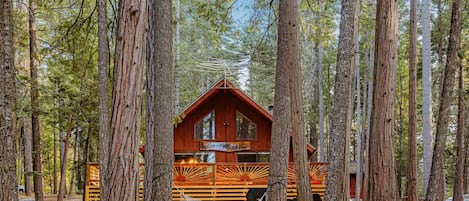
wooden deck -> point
(219, 181)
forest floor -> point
(51, 197)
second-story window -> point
(205, 128)
(245, 128)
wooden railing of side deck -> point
(217, 181)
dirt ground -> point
(51, 198)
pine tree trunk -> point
(368, 126)
(289, 24)
(281, 123)
(363, 136)
(73, 171)
(358, 107)
(382, 181)
(18, 158)
(103, 91)
(437, 176)
(28, 157)
(466, 147)
(460, 155)
(7, 104)
(339, 137)
(427, 115)
(358, 135)
(412, 139)
(37, 166)
(322, 150)
(313, 102)
(54, 188)
(440, 42)
(63, 164)
(159, 139)
(399, 127)
(123, 166)
(177, 61)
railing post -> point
(214, 173)
(87, 174)
(86, 192)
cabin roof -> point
(221, 85)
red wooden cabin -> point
(224, 125)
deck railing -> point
(215, 181)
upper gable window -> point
(245, 128)
(205, 128)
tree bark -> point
(28, 157)
(412, 139)
(382, 181)
(103, 91)
(368, 126)
(159, 138)
(37, 163)
(358, 106)
(63, 164)
(339, 137)
(73, 171)
(459, 178)
(123, 167)
(289, 24)
(322, 151)
(177, 61)
(54, 180)
(437, 175)
(281, 123)
(363, 135)
(466, 147)
(426, 92)
(8, 134)
(313, 102)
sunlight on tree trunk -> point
(288, 20)
(382, 182)
(123, 166)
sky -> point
(242, 11)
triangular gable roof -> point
(225, 84)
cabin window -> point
(253, 156)
(205, 157)
(195, 157)
(245, 128)
(205, 128)
(184, 157)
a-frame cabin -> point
(222, 149)
(224, 125)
